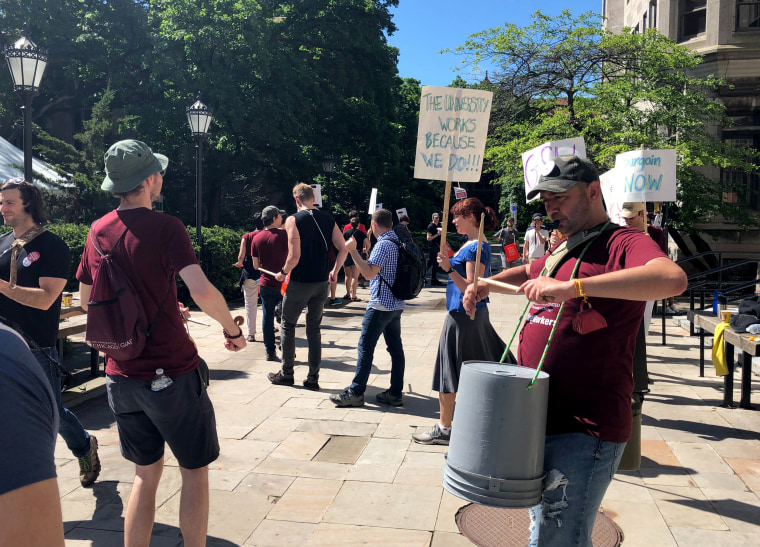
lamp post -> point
(27, 63)
(199, 118)
(328, 166)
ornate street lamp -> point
(328, 166)
(199, 118)
(27, 63)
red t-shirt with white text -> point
(590, 375)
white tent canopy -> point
(12, 162)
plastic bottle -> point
(161, 381)
(716, 295)
(754, 329)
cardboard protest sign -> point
(402, 213)
(451, 134)
(613, 196)
(460, 193)
(378, 206)
(372, 201)
(317, 195)
(534, 160)
(646, 175)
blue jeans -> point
(375, 323)
(269, 299)
(298, 296)
(579, 469)
(77, 439)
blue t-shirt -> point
(30, 417)
(467, 253)
(385, 255)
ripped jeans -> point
(579, 470)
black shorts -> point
(180, 415)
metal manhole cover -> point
(500, 527)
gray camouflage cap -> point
(563, 173)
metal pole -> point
(327, 184)
(27, 114)
(198, 193)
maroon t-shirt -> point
(658, 236)
(590, 375)
(154, 250)
(271, 248)
(248, 238)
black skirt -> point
(463, 339)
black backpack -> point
(117, 324)
(410, 267)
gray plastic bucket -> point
(496, 452)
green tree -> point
(566, 76)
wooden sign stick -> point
(445, 220)
(501, 284)
(477, 260)
(267, 272)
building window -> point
(747, 15)
(653, 15)
(644, 23)
(735, 180)
(693, 18)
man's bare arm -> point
(32, 516)
(340, 244)
(211, 301)
(241, 252)
(294, 248)
(367, 270)
(659, 278)
(40, 298)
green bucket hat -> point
(128, 163)
(563, 173)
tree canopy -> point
(288, 83)
(566, 76)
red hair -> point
(474, 207)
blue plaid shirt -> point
(385, 255)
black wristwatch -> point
(448, 272)
(282, 272)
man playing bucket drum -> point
(589, 364)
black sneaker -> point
(89, 465)
(272, 357)
(314, 386)
(278, 379)
(434, 436)
(387, 398)
(347, 398)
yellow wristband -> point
(579, 292)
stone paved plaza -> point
(295, 470)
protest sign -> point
(378, 206)
(451, 134)
(534, 160)
(460, 193)
(372, 201)
(402, 213)
(317, 195)
(613, 196)
(645, 175)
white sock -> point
(444, 430)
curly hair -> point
(31, 197)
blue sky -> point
(426, 27)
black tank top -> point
(315, 228)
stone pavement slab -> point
(295, 470)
